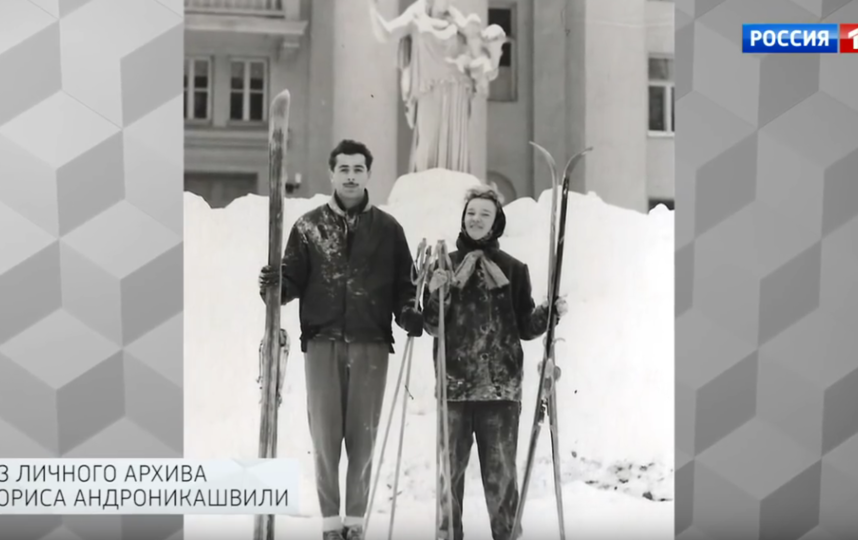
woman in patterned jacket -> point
(489, 311)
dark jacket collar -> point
(335, 205)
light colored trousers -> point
(345, 392)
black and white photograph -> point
(429, 254)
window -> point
(198, 89)
(248, 91)
(504, 87)
(661, 96)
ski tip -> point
(549, 159)
(279, 121)
(280, 104)
(545, 153)
(539, 147)
(575, 159)
(577, 156)
(283, 97)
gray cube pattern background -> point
(766, 272)
(91, 168)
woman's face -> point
(479, 218)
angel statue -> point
(446, 58)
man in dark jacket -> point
(349, 265)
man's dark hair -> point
(349, 147)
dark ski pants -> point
(345, 391)
(494, 425)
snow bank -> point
(616, 393)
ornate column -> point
(616, 101)
(557, 53)
(366, 89)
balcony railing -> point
(280, 19)
(259, 8)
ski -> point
(444, 487)
(285, 345)
(546, 398)
(552, 396)
(275, 341)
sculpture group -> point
(446, 58)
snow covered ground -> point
(615, 395)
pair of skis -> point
(419, 274)
(274, 348)
(546, 396)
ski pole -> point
(409, 343)
(443, 419)
(421, 280)
(406, 360)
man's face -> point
(350, 175)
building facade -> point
(574, 73)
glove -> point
(561, 307)
(412, 321)
(552, 375)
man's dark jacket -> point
(350, 272)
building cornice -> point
(288, 32)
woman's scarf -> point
(494, 276)
(477, 254)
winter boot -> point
(354, 533)
(333, 535)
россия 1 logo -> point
(849, 38)
(799, 38)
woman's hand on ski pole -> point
(440, 278)
(552, 374)
(561, 308)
